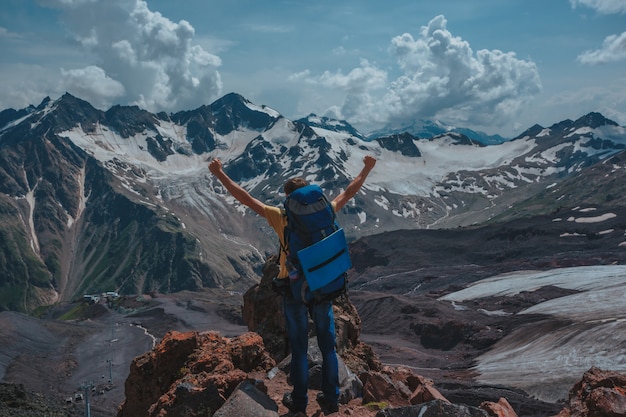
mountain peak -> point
(233, 111)
(327, 123)
(43, 104)
(69, 111)
(230, 100)
(129, 120)
(402, 142)
(534, 130)
(594, 120)
(68, 99)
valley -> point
(121, 200)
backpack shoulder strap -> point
(283, 243)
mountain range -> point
(122, 200)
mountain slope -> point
(122, 200)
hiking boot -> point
(328, 407)
(291, 406)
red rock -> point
(191, 371)
(607, 402)
(425, 393)
(600, 393)
(500, 409)
(379, 387)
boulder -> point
(398, 386)
(598, 393)
(248, 400)
(500, 409)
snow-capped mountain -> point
(122, 200)
(428, 128)
(331, 124)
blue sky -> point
(494, 65)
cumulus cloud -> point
(613, 50)
(141, 57)
(359, 85)
(91, 84)
(444, 78)
(364, 78)
(440, 77)
(614, 46)
(602, 6)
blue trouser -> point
(297, 331)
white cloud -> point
(5, 33)
(614, 46)
(613, 50)
(358, 86)
(141, 56)
(602, 6)
(91, 84)
(300, 76)
(441, 77)
(366, 77)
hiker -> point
(295, 310)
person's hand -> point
(215, 166)
(369, 162)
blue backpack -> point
(317, 250)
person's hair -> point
(293, 184)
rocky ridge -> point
(192, 372)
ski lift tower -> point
(86, 388)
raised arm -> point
(355, 185)
(215, 166)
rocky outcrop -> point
(188, 372)
(600, 393)
(191, 373)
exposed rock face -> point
(598, 393)
(191, 371)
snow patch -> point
(596, 219)
(546, 362)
